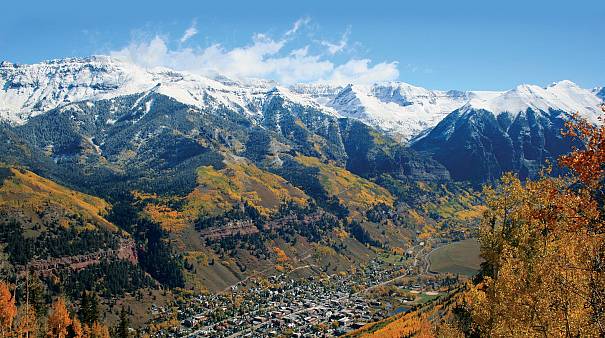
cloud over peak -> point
(336, 47)
(266, 57)
(190, 32)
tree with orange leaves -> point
(8, 310)
(98, 331)
(27, 324)
(587, 163)
(77, 331)
(58, 320)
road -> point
(261, 272)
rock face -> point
(476, 145)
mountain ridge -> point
(399, 109)
(522, 123)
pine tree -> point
(89, 308)
(83, 310)
(37, 296)
(122, 329)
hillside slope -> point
(27, 196)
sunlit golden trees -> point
(8, 310)
(543, 242)
(58, 320)
(77, 331)
(27, 323)
(22, 320)
(97, 331)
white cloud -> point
(146, 54)
(339, 46)
(264, 57)
(190, 32)
(359, 71)
(297, 25)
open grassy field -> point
(459, 257)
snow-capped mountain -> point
(564, 96)
(29, 90)
(600, 92)
(517, 130)
(405, 111)
(322, 93)
(401, 110)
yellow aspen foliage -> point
(58, 320)
(411, 324)
(27, 325)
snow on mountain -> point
(516, 130)
(29, 90)
(563, 95)
(405, 111)
(600, 92)
(295, 98)
(398, 108)
(322, 93)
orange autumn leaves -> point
(58, 321)
(8, 310)
(411, 324)
(586, 163)
(281, 255)
(22, 321)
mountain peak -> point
(563, 96)
(600, 92)
(564, 84)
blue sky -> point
(436, 44)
